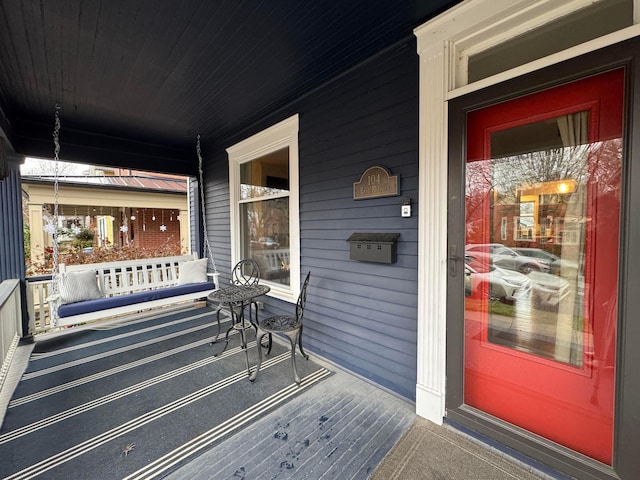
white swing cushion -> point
(194, 271)
(79, 286)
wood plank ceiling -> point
(137, 80)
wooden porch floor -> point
(342, 428)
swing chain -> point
(56, 142)
(207, 245)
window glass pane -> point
(265, 237)
(265, 176)
(592, 22)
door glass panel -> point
(541, 262)
(532, 269)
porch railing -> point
(10, 324)
(38, 289)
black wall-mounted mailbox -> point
(374, 247)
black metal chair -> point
(246, 272)
(291, 326)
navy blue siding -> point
(360, 315)
(12, 247)
(216, 174)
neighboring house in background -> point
(144, 210)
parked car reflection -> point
(557, 265)
(547, 290)
(495, 283)
(505, 257)
(265, 242)
(543, 291)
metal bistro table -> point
(237, 297)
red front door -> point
(543, 177)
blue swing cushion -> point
(98, 304)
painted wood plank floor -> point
(341, 429)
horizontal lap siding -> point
(217, 213)
(360, 315)
(11, 248)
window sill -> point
(277, 291)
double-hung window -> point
(263, 183)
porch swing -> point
(90, 292)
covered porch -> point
(281, 110)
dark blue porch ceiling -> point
(137, 80)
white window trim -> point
(276, 137)
(444, 45)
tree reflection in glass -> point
(552, 189)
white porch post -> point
(432, 231)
